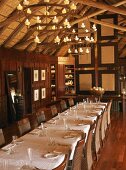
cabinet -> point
(53, 82)
(69, 79)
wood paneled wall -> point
(12, 60)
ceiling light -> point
(38, 21)
(26, 2)
(19, 7)
(94, 27)
(73, 6)
(73, 31)
(92, 39)
(76, 38)
(66, 23)
(39, 27)
(57, 39)
(87, 51)
(27, 22)
(37, 40)
(53, 27)
(55, 19)
(64, 40)
(29, 11)
(76, 51)
(69, 50)
(64, 11)
(86, 30)
(82, 25)
(87, 38)
(80, 50)
(66, 2)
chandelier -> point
(30, 11)
(77, 38)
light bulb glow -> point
(26, 2)
(20, 7)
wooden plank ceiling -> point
(15, 34)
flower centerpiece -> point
(97, 91)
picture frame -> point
(85, 81)
(108, 79)
(86, 59)
(36, 75)
(107, 33)
(43, 93)
(43, 74)
(36, 94)
(107, 54)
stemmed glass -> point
(14, 139)
(29, 151)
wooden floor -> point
(113, 155)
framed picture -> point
(36, 94)
(85, 81)
(43, 74)
(107, 54)
(36, 75)
(108, 79)
(104, 32)
(86, 59)
(43, 93)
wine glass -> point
(14, 138)
(29, 151)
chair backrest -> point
(88, 159)
(104, 125)
(40, 117)
(54, 110)
(71, 102)
(2, 139)
(24, 126)
(109, 111)
(97, 140)
(63, 105)
(63, 165)
(77, 158)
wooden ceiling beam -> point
(103, 6)
(108, 24)
(96, 13)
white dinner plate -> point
(50, 155)
(68, 136)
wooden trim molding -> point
(85, 80)
(108, 79)
(107, 33)
(107, 54)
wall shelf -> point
(69, 79)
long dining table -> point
(49, 142)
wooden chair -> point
(24, 126)
(63, 105)
(71, 102)
(87, 160)
(108, 113)
(63, 165)
(2, 139)
(96, 142)
(54, 110)
(103, 128)
(77, 158)
(40, 117)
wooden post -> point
(124, 104)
